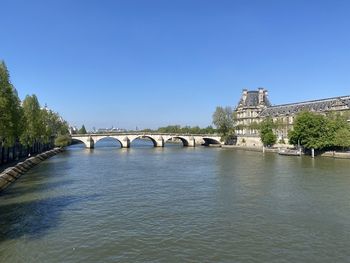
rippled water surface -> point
(177, 204)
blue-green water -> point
(177, 204)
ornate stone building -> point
(254, 106)
(249, 108)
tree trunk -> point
(1, 154)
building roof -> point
(313, 105)
(252, 99)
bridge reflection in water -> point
(158, 139)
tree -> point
(147, 130)
(267, 135)
(82, 130)
(317, 131)
(208, 130)
(342, 138)
(223, 119)
(336, 123)
(63, 140)
(195, 130)
(34, 122)
(10, 109)
(27, 123)
(54, 124)
(186, 129)
(312, 130)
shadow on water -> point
(33, 219)
(20, 190)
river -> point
(177, 204)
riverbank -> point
(338, 155)
(253, 149)
(11, 174)
(328, 154)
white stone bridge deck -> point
(158, 139)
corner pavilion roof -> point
(252, 100)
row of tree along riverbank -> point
(11, 174)
(26, 128)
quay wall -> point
(339, 155)
(328, 154)
(255, 142)
(11, 174)
(250, 148)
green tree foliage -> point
(63, 140)
(54, 124)
(82, 130)
(40, 125)
(170, 129)
(208, 130)
(267, 135)
(34, 130)
(27, 123)
(186, 129)
(308, 130)
(317, 131)
(10, 110)
(147, 130)
(223, 119)
(336, 123)
(342, 138)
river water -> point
(177, 204)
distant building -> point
(254, 106)
(107, 130)
(73, 130)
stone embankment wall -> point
(253, 149)
(245, 141)
(11, 174)
(339, 155)
(255, 142)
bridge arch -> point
(105, 137)
(78, 141)
(154, 141)
(208, 141)
(182, 139)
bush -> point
(230, 139)
(281, 141)
(63, 140)
(267, 136)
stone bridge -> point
(158, 139)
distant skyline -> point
(153, 63)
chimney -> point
(266, 94)
(244, 95)
(261, 95)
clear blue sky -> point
(152, 63)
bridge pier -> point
(90, 144)
(191, 142)
(159, 142)
(125, 142)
